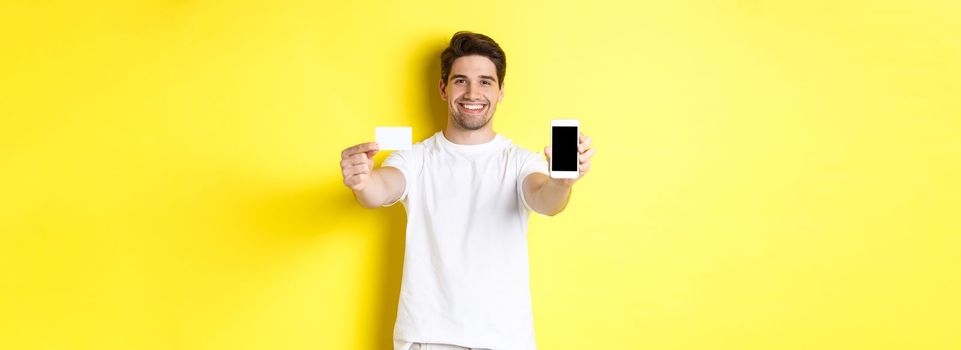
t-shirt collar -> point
(469, 148)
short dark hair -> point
(466, 43)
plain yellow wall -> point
(769, 175)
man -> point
(468, 192)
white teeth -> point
(473, 107)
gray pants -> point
(421, 346)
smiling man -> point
(468, 192)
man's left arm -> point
(549, 196)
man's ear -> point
(500, 97)
(443, 86)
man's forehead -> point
(472, 66)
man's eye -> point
(486, 82)
(459, 81)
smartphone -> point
(564, 140)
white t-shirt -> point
(466, 278)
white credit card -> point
(393, 137)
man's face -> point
(472, 91)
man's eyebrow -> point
(465, 77)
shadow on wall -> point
(433, 109)
(433, 112)
(286, 217)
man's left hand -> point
(584, 154)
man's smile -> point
(472, 108)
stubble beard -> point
(472, 123)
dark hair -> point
(466, 43)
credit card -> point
(393, 138)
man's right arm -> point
(372, 187)
(386, 186)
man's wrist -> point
(560, 182)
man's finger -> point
(359, 169)
(352, 170)
(354, 181)
(354, 160)
(584, 145)
(360, 158)
(364, 147)
(584, 157)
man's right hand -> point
(357, 163)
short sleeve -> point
(531, 163)
(403, 162)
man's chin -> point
(472, 122)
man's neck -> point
(469, 137)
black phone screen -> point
(564, 148)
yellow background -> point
(769, 175)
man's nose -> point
(469, 93)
